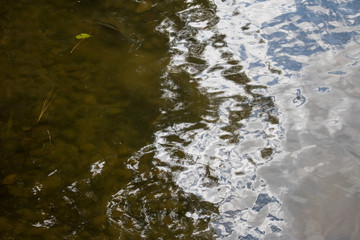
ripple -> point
(249, 67)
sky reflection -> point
(274, 147)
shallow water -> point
(180, 120)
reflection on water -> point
(261, 67)
(321, 152)
(180, 120)
(313, 175)
(216, 150)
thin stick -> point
(43, 146)
(76, 45)
(46, 104)
(49, 136)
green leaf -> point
(83, 36)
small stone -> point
(10, 179)
(100, 221)
(5, 224)
(143, 6)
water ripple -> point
(235, 82)
(239, 128)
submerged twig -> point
(46, 104)
(43, 146)
(49, 136)
(76, 45)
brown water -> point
(59, 174)
(179, 120)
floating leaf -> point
(83, 36)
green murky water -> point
(103, 105)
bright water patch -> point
(251, 62)
(224, 142)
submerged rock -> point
(110, 30)
(10, 179)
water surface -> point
(180, 120)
